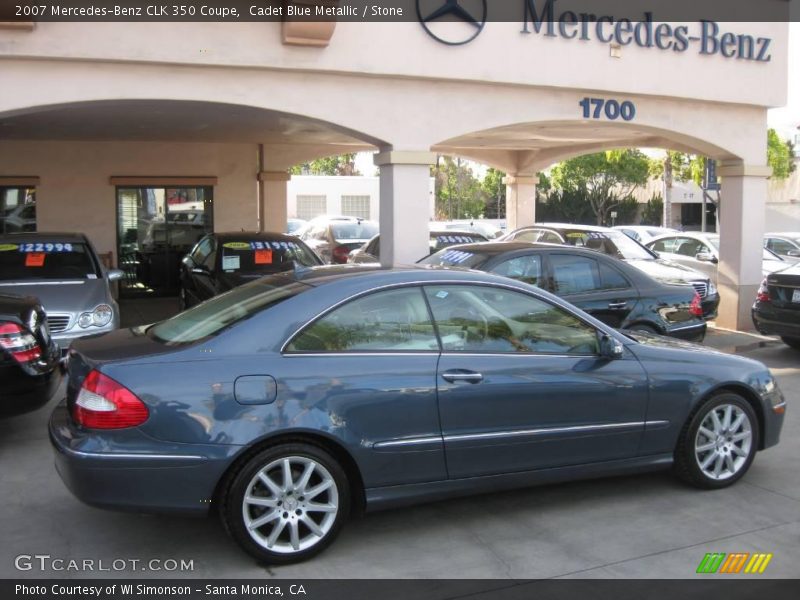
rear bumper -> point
(696, 332)
(770, 320)
(21, 393)
(129, 471)
(709, 305)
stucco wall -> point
(75, 193)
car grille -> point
(701, 287)
(58, 322)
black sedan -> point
(221, 261)
(610, 290)
(777, 307)
(289, 402)
(29, 358)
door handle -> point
(617, 304)
(468, 376)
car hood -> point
(666, 270)
(68, 296)
(773, 266)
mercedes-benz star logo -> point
(452, 12)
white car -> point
(644, 233)
(700, 251)
(785, 244)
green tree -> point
(494, 192)
(342, 164)
(780, 155)
(604, 178)
(458, 191)
(653, 210)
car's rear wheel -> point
(792, 342)
(642, 328)
(718, 442)
(287, 503)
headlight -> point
(712, 289)
(99, 317)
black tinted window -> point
(574, 274)
(264, 256)
(611, 279)
(526, 268)
(50, 260)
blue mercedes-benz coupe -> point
(292, 401)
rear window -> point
(264, 256)
(211, 317)
(354, 231)
(613, 243)
(439, 241)
(47, 260)
(455, 258)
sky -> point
(785, 120)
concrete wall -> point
(75, 193)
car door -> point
(193, 272)
(206, 284)
(593, 286)
(371, 364)
(521, 385)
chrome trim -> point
(656, 424)
(409, 442)
(685, 327)
(112, 456)
(54, 282)
(362, 353)
(539, 431)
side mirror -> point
(610, 347)
(706, 257)
(794, 253)
(115, 274)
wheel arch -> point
(331, 445)
(745, 392)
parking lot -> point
(649, 526)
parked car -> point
(64, 272)
(644, 233)
(441, 238)
(700, 251)
(221, 261)
(786, 245)
(333, 238)
(618, 245)
(487, 230)
(291, 401)
(609, 289)
(777, 307)
(292, 225)
(29, 358)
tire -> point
(305, 526)
(642, 328)
(791, 342)
(720, 453)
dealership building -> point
(193, 125)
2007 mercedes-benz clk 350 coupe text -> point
(291, 401)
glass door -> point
(156, 227)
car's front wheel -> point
(718, 443)
(792, 342)
(287, 503)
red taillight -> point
(19, 343)
(763, 292)
(696, 307)
(103, 403)
(340, 254)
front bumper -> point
(126, 470)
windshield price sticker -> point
(263, 257)
(260, 245)
(40, 247)
(35, 259)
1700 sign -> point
(597, 108)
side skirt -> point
(381, 498)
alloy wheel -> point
(723, 442)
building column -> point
(741, 231)
(272, 201)
(520, 200)
(404, 192)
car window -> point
(527, 236)
(47, 260)
(574, 274)
(388, 321)
(264, 256)
(201, 251)
(550, 237)
(484, 319)
(663, 245)
(439, 241)
(526, 268)
(686, 246)
(780, 246)
(611, 278)
(354, 231)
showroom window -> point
(17, 209)
(355, 206)
(390, 321)
(309, 207)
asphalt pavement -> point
(648, 526)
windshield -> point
(265, 257)
(443, 240)
(51, 260)
(354, 231)
(453, 257)
(211, 317)
(614, 243)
